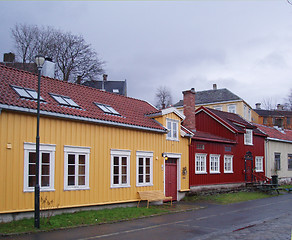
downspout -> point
(266, 157)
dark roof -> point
(232, 120)
(212, 96)
(204, 136)
(273, 113)
(132, 111)
(118, 87)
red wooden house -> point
(225, 148)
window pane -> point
(45, 158)
(140, 170)
(147, 170)
(31, 181)
(81, 180)
(116, 170)
(147, 161)
(124, 179)
(71, 159)
(174, 130)
(45, 181)
(81, 159)
(124, 170)
(147, 178)
(124, 161)
(71, 180)
(140, 161)
(116, 179)
(32, 157)
(116, 160)
(71, 170)
(45, 170)
(82, 170)
(31, 169)
(21, 92)
(140, 178)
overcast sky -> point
(245, 46)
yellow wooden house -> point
(96, 148)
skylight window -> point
(107, 109)
(67, 101)
(26, 93)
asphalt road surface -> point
(262, 219)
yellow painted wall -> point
(18, 128)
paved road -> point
(258, 220)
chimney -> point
(189, 109)
(79, 79)
(9, 57)
(258, 106)
(214, 86)
(48, 69)
(280, 107)
(104, 77)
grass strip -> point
(227, 198)
(67, 220)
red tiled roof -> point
(198, 135)
(275, 133)
(133, 111)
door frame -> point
(177, 156)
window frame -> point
(210, 161)
(64, 100)
(204, 157)
(259, 159)
(30, 94)
(144, 155)
(228, 157)
(219, 107)
(171, 132)
(44, 148)
(231, 108)
(248, 137)
(107, 109)
(76, 150)
(289, 157)
(120, 153)
(277, 162)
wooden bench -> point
(152, 196)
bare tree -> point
(269, 104)
(288, 101)
(163, 97)
(72, 55)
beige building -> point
(278, 153)
(223, 100)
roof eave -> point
(78, 118)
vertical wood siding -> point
(19, 128)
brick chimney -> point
(189, 109)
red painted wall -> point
(206, 123)
(237, 150)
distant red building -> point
(225, 148)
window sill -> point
(170, 139)
(228, 172)
(120, 186)
(201, 173)
(76, 189)
(259, 171)
(41, 190)
(145, 185)
(215, 172)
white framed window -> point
(120, 168)
(201, 163)
(76, 168)
(231, 108)
(218, 108)
(172, 126)
(259, 164)
(144, 168)
(46, 167)
(248, 137)
(228, 164)
(214, 163)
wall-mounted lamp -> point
(164, 155)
